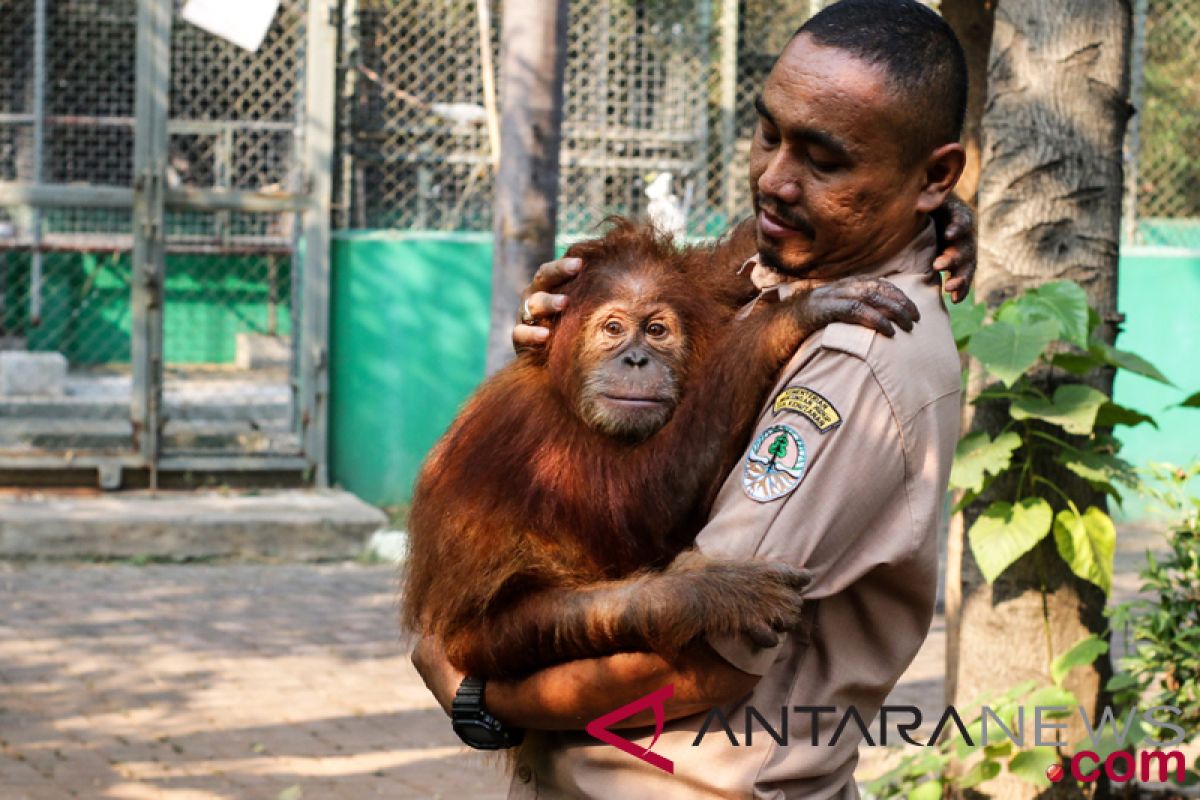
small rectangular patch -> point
(809, 404)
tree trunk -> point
(533, 56)
(972, 21)
(1049, 208)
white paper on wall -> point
(243, 22)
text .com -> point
(1121, 766)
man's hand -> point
(955, 222)
(569, 696)
(540, 303)
(440, 676)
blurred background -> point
(658, 109)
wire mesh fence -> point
(1165, 208)
(658, 108)
(231, 276)
(658, 118)
(67, 117)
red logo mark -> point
(655, 700)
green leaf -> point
(983, 771)
(1052, 696)
(1111, 414)
(998, 750)
(1123, 359)
(1007, 350)
(1031, 765)
(1004, 532)
(1073, 408)
(1012, 311)
(1120, 682)
(1193, 401)
(1022, 688)
(1067, 304)
(1076, 363)
(966, 319)
(1087, 542)
(978, 455)
(1098, 467)
(929, 790)
(1082, 653)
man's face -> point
(834, 188)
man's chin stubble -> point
(770, 259)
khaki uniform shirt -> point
(877, 420)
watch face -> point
(479, 733)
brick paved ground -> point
(216, 681)
(277, 682)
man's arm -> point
(569, 696)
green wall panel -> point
(85, 305)
(1159, 293)
(409, 328)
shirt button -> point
(524, 773)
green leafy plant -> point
(1046, 329)
(1164, 628)
(925, 775)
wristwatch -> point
(474, 725)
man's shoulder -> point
(913, 368)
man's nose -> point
(636, 358)
(778, 180)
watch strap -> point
(467, 707)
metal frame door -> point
(150, 198)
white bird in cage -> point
(463, 115)
(665, 208)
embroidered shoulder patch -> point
(774, 464)
(807, 403)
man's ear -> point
(943, 168)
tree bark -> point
(533, 56)
(1049, 208)
(972, 21)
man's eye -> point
(656, 329)
(769, 135)
(822, 164)
(613, 328)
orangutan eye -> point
(656, 329)
(613, 328)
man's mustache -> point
(786, 216)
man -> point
(857, 144)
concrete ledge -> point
(26, 373)
(259, 351)
(285, 525)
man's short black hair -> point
(917, 49)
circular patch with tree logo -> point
(775, 464)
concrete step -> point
(252, 408)
(295, 525)
(243, 436)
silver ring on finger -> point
(526, 314)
